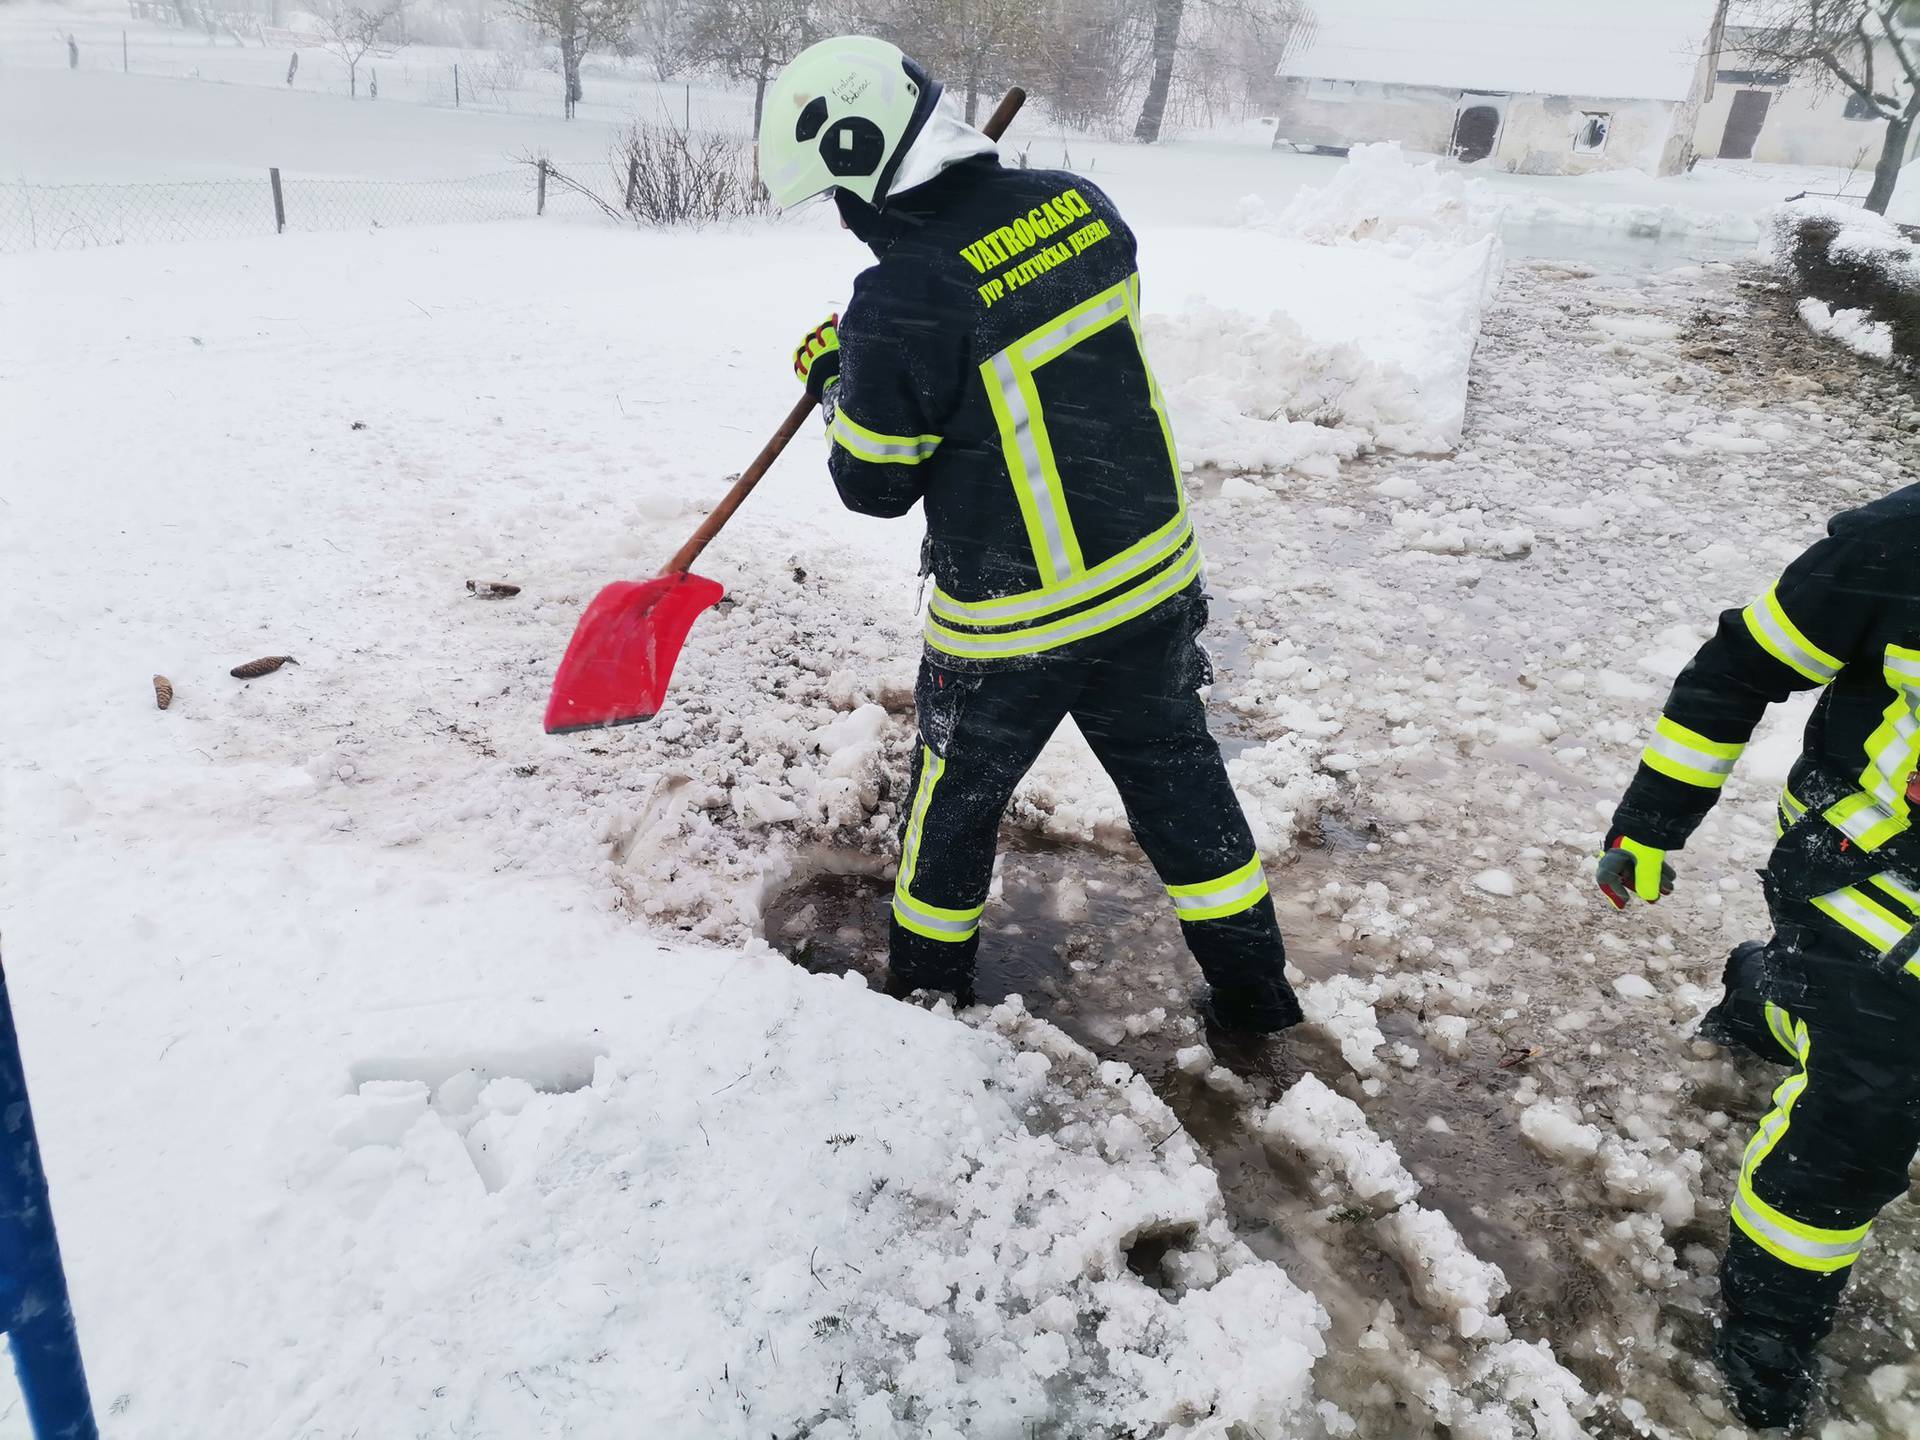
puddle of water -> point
(1101, 968)
(1612, 249)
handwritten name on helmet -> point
(998, 246)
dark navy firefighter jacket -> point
(992, 367)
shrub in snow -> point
(1860, 267)
(1856, 329)
(669, 175)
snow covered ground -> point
(408, 1117)
(403, 1070)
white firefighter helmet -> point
(841, 116)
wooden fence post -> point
(540, 201)
(279, 202)
(633, 179)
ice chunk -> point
(1332, 1133)
(1553, 1130)
(1634, 987)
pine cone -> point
(491, 589)
(162, 691)
(265, 665)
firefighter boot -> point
(1738, 1022)
(1247, 1013)
(1770, 1375)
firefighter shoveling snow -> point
(456, 1085)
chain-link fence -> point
(73, 217)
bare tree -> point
(973, 46)
(1167, 15)
(578, 27)
(1869, 48)
(350, 31)
(1258, 25)
(663, 31)
(751, 39)
(1091, 61)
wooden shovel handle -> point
(684, 557)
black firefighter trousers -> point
(1132, 693)
(1844, 1127)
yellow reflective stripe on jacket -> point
(1865, 821)
(877, 448)
(1034, 604)
(1129, 604)
(1237, 890)
(1153, 384)
(1881, 810)
(1023, 429)
(1024, 440)
(1896, 886)
(1776, 634)
(933, 921)
(1790, 1241)
(1688, 756)
(1865, 917)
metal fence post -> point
(686, 122)
(456, 86)
(540, 200)
(34, 1306)
(279, 202)
(124, 66)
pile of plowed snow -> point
(1345, 322)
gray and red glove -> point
(1628, 868)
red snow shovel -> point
(621, 657)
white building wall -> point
(1356, 112)
(1805, 125)
(1536, 138)
(1540, 132)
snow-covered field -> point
(405, 1071)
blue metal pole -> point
(34, 1309)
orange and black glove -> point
(1628, 868)
(817, 362)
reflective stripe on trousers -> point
(1239, 889)
(1790, 1241)
(933, 921)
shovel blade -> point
(622, 654)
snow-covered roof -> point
(1608, 49)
